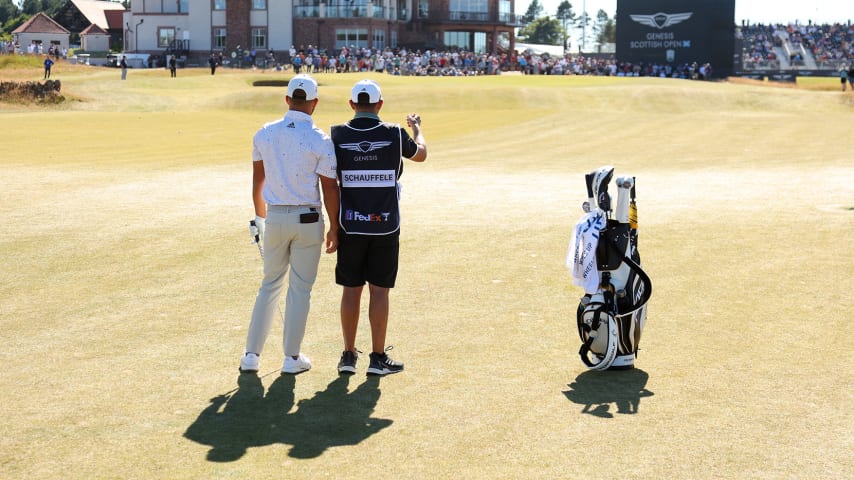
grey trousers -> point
(288, 244)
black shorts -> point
(367, 258)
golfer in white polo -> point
(290, 157)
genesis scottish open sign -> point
(677, 32)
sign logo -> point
(356, 216)
(661, 20)
(364, 147)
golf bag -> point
(604, 260)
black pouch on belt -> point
(312, 217)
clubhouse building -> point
(197, 28)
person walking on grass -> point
(124, 66)
(368, 152)
(289, 157)
(173, 66)
(48, 63)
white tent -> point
(538, 49)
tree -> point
(535, 11)
(52, 7)
(564, 10)
(14, 22)
(31, 7)
(49, 7)
(565, 15)
(8, 10)
(544, 30)
(605, 28)
(582, 22)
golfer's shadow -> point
(598, 390)
(251, 418)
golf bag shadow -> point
(605, 261)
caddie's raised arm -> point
(413, 120)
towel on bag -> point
(581, 256)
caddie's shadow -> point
(596, 391)
(249, 418)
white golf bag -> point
(604, 260)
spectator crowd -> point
(831, 45)
(461, 62)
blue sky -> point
(757, 11)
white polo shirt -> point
(294, 152)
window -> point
(379, 39)
(423, 8)
(219, 4)
(457, 39)
(165, 36)
(259, 38)
(472, 41)
(505, 13)
(351, 37)
(219, 38)
(311, 8)
(469, 9)
(259, 4)
(176, 6)
(348, 8)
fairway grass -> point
(128, 279)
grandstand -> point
(804, 48)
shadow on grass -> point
(598, 390)
(251, 418)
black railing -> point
(346, 10)
(307, 12)
(470, 16)
(338, 11)
(178, 47)
(458, 16)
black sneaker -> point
(382, 364)
(348, 362)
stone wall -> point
(47, 92)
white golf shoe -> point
(249, 363)
(296, 365)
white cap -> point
(366, 86)
(305, 83)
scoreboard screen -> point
(677, 32)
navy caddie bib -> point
(369, 167)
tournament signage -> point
(677, 32)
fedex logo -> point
(356, 216)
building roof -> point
(93, 30)
(95, 11)
(115, 18)
(41, 23)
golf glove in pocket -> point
(256, 229)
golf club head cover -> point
(601, 179)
